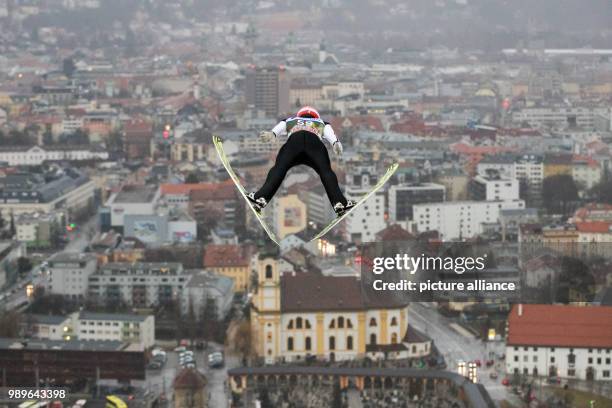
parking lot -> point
(160, 380)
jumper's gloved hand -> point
(266, 136)
(337, 147)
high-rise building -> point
(402, 198)
(267, 88)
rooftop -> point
(136, 194)
(226, 255)
(560, 326)
(83, 345)
(311, 291)
(124, 317)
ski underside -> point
(390, 170)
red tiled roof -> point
(592, 209)
(214, 191)
(601, 227)
(189, 379)
(560, 326)
(226, 256)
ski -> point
(378, 185)
(218, 142)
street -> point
(456, 345)
(16, 293)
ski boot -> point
(341, 209)
(258, 203)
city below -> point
(172, 173)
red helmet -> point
(308, 112)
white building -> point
(494, 188)
(366, 220)
(460, 219)
(204, 286)
(74, 192)
(36, 155)
(573, 342)
(127, 328)
(132, 200)
(130, 328)
(140, 284)
(560, 117)
(69, 274)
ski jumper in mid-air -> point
(304, 145)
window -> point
(552, 359)
(290, 325)
(307, 324)
(394, 338)
(349, 324)
(571, 372)
(307, 344)
(332, 343)
(394, 321)
(332, 324)
(535, 359)
(525, 358)
(349, 343)
(290, 343)
(373, 339)
(373, 322)
(516, 358)
(298, 323)
(341, 322)
(605, 373)
(268, 271)
(590, 360)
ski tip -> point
(217, 139)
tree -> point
(559, 193)
(602, 192)
(23, 265)
(115, 141)
(192, 178)
(47, 138)
(68, 67)
(9, 324)
(242, 342)
(13, 230)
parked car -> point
(216, 360)
(154, 365)
(506, 382)
(493, 375)
(180, 349)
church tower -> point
(265, 315)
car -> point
(493, 375)
(478, 363)
(154, 365)
(506, 382)
(216, 360)
(180, 349)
